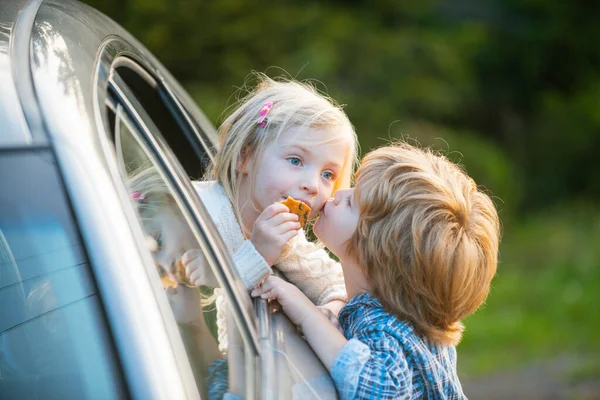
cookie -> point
(167, 282)
(299, 208)
(179, 275)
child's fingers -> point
(287, 226)
(281, 218)
(259, 291)
(267, 286)
(197, 277)
(273, 210)
(286, 236)
(190, 256)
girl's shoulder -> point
(210, 190)
(213, 197)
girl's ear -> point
(243, 164)
(130, 154)
(242, 167)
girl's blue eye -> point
(295, 161)
(159, 241)
(328, 175)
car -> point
(85, 313)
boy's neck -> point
(356, 281)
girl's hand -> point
(293, 302)
(185, 304)
(197, 269)
(273, 228)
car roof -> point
(49, 56)
(13, 126)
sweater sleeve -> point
(310, 268)
(251, 266)
(248, 262)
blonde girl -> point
(283, 139)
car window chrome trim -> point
(267, 365)
(115, 52)
(203, 228)
(195, 137)
(178, 107)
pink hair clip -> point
(139, 197)
(262, 120)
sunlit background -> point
(508, 88)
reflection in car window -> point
(174, 247)
(54, 339)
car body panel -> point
(14, 130)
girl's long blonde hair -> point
(295, 104)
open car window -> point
(178, 239)
(287, 367)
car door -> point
(169, 130)
(144, 155)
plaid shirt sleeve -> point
(372, 366)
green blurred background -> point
(508, 88)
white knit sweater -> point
(303, 263)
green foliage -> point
(545, 297)
(519, 73)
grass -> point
(545, 299)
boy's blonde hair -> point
(295, 104)
(427, 238)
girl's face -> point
(300, 164)
(170, 238)
(338, 221)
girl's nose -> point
(311, 185)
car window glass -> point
(196, 303)
(54, 338)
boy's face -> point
(338, 221)
(301, 164)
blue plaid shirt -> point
(385, 359)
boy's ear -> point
(130, 155)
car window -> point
(287, 367)
(54, 337)
(184, 137)
(196, 304)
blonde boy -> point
(418, 244)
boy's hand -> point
(273, 228)
(197, 269)
(293, 302)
